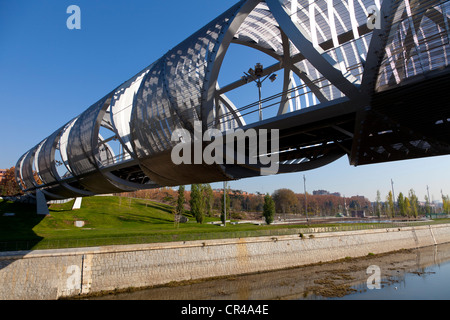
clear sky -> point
(50, 74)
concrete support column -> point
(41, 204)
(77, 203)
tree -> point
(236, 205)
(285, 200)
(445, 203)
(197, 202)
(209, 199)
(408, 207)
(414, 201)
(401, 204)
(8, 185)
(256, 202)
(390, 203)
(180, 201)
(268, 209)
(378, 204)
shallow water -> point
(431, 283)
(408, 274)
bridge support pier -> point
(41, 204)
(77, 203)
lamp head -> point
(259, 70)
(273, 77)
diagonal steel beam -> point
(315, 55)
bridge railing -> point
(115, 160)
(300, 96)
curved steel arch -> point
(342, 67)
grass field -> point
(113, 220)
(106, 217)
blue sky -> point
(50, 74)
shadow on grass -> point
(156, 206)
(143, 219)
(17, 221)
(128, 216)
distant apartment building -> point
(325, 192)
(2, 174)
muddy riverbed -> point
(345, 278)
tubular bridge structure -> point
(366, 79)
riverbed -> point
(422, 273)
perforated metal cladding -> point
(18, 171)
(329, 91)
(46, 159)
(418, 41)
(121, 109)
(328, 21)
(350, 56)
(27, 169)
(337, 27)
(261, 30)
(149, 141)
(171, 94)
(18, 174)
(63, 140)
(82, 143)
(314, 16)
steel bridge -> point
(368, 79)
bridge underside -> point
(408, 122)
(366, 79)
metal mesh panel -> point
(27, 169)
(121, 109)
(319, 26)
(46, 159)
(18, 171)
(170, 96)
(418, 41)
(80, 147)
(328, 90)
(261, 29)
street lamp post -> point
(224, 203)
(256, 75)
(393, 196)
(306, 204)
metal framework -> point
(347, 67)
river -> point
(422, 273)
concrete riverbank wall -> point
(53, 274)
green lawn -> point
(115, 220)
(108, 217)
